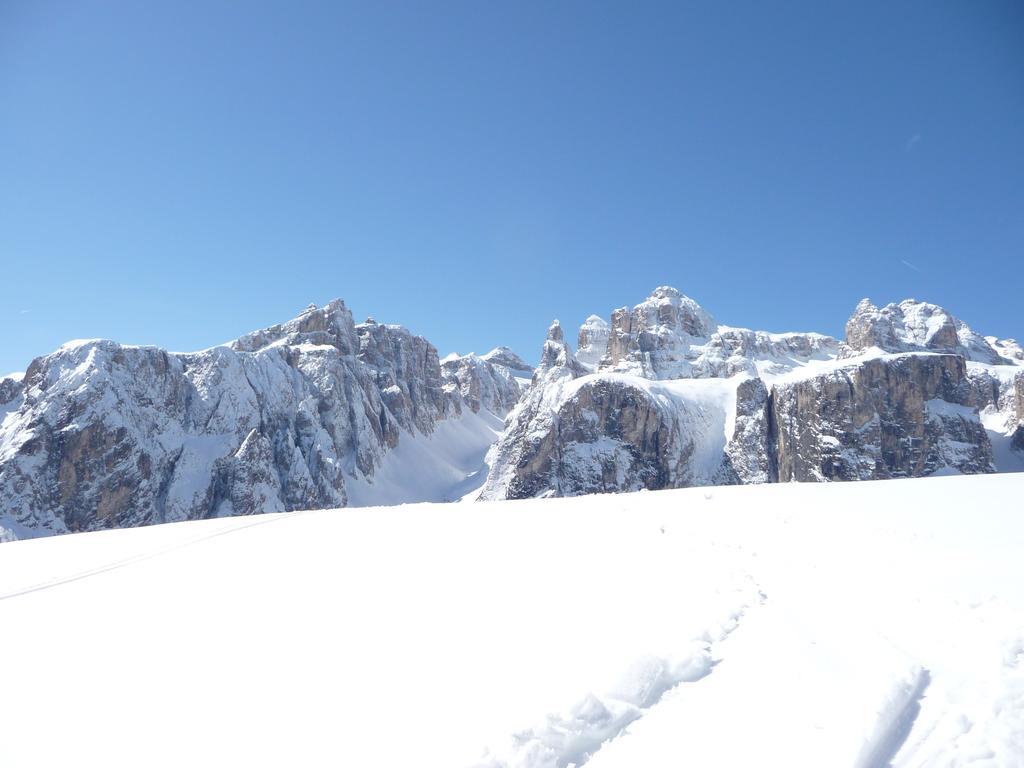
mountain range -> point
(322, 412)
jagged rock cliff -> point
(101, 435)
(10, 388)
(884, 417)
(506, 358)
(531, 428)
(677, 400)
(322, 412)
(750, 453)
(669, 336)
(491, 382)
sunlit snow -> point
(852, 624)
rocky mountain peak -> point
(669, 307)
(666, 292)
(654, 338)
(913, 325)
(294, 416)
(759, 406)
(307, 414)
(592, 342)
(486, 382)
(10, 387)
(670, 336)
(506, 358)
(330, 325)
(556, 353)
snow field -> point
(860, 624)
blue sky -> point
(180, 173)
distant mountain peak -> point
(507, 358)
(913, 325)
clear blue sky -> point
(179, 173)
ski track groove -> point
(895, 725)
(594, 720)
(132, 560)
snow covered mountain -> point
(321, 412)
(802, 625)
(306, 414)
(674, 399)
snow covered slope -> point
(851, 624)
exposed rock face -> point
(307, 414)
(331, 326)
(737, 350)
(406, 371)
(750, 453)
(912, 326)
(606, 437)
(669, 336)
(903, 416)
(102, 435)
(1009, 404)
(676, 400)
(557, 354)
(1014, 398)
(10, 388)
(592, 342)
(998, 394)
(524, 458)
(249, 480)
(506, 358)
(484, 383)
(984, 388)
(653, 338)
(576, 432)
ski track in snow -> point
(57, 581)
(895, 722)
(570, 738)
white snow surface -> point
(849, 624)
(445, 465)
